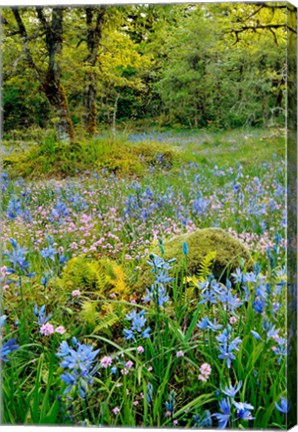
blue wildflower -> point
(232, 391)
(283, 405)
(244, 415)
(250, 277)
(185, 248)
(206, 421)
(258, 305)
(256, 335)
(170, 403)
(138, 322)
(223, 417)
(208, 295)
(149, 393)
(146, 332)
(80, 359)
(17, 257)
(238, 275)
(227, 346)
(204, 323)
(48, 252)
(14, 208)
(41, 315)
(62, 259)
(231, 302)
(128, 334)
(281, 349)
(59, 211)
(80, 362)
(7, 348)
(137, 325)
(243, 406)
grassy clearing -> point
(135, 154)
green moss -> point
(228, 250)
(58, 160)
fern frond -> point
(188, 294)
(205, 266)
(88, 313)
(106, 322)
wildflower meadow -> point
(85, 344)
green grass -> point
(45, 158)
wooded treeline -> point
(185, 65)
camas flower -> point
(41, 315)
(17, 258)
(223, 417)
(80, 362)
(7, 348)
(232, 391)
(137, 325)
(227, 346)
(283, 405)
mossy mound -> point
(229, 252)
(51, 159)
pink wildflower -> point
(47, 329)
(76, 293)
(179, 353)
(106, 361)
(116, 410)
(140, 349)
(205, 370)
(233, 320)
(203, 378)
(129, 364)
(60, 329)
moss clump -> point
(51, 159)
(228, 250)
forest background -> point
(83, 70)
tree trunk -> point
(94, 31)
(52, 86)
(115, 115)
(51, 80)
(90, 104)
(57, 99)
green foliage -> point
(104, 281)
(53, 159)
(226, 253)
(219, 66)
